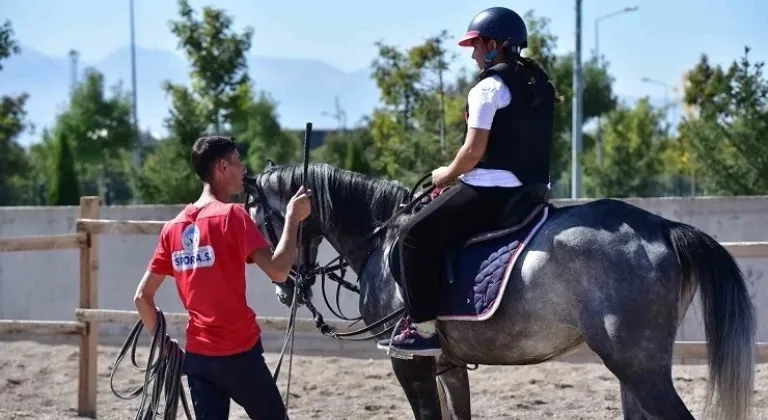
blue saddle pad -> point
(477, 274)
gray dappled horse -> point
(606, 273)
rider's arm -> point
(159, 268)
(470, 152)
(483, 101)
(276, 265)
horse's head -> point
(266, 199)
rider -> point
(508, 142)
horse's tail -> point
(729, 319)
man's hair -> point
(208, 150)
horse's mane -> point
(343, 200)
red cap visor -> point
(466, 41)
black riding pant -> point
(450, 219)
(244, 378)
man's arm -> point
(144, 299)
(277, 265)
(256, 249)
(159, 268)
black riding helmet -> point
(498, 23)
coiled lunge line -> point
(164, 366)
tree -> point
(166, 176)
(255, 124)
(411, 132)
(220, 99)
(64, 187)
(99, 130)
(13, 165)
(634, 142)
(728, 131)
(598, 98)
(217, 56)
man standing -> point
(205, 248)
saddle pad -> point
(477, 275)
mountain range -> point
(304, 89)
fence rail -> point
(88, 316)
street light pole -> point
(137, 144)
(576, 123)
(598, 60)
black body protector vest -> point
(521, 136)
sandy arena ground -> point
(38, 381)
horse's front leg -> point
(417, 376)
(453, 385)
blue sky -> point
(659, 41)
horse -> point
(605, 273)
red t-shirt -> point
(205, 250)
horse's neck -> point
(355, 243)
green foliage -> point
(166, 177)
(13, 163)
(99, 126)
(728, 132)
(64, 187)
(409, 131)
(419, 124)
(598, 97)
(217, 56)
(634, 141)
(221, 99)
(8, 44)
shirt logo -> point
(193, 255)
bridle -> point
(303, 276)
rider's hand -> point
(300, 206)
(442, 176)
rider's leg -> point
(453, 216)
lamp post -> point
(599, 139)
(659, 83)
(577, 119)
(137, 141)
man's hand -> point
(300, 206)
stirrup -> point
(394, 353)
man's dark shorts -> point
(243, 377)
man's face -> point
(230, 171)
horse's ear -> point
(270, 164)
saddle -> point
(475, 273)
(519, 211)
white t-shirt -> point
(489, 95)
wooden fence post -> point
(89, 298)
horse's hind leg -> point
(417, 376)
(653, 396)
(453, 387)
(639, 353)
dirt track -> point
(38, 381)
